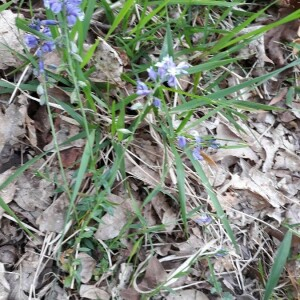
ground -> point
(149, 150)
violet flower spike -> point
(196, 154)
(203, 220)
(142, 89)
(55, 6)
(48, 46)
(31, 41)
(167, 70)
(152, 74)
(181, 140)
(214, 144)
(156, 102)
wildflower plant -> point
(43, 42)
(164, 71)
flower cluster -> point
(43, 45)
(198, 144)
(163, 71)
(167, 71)
(70, 7)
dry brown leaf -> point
(93, 292)
(58, 208)
(129, 294)
(292, 214)
(8, 193)
(70, 156)
(8, 255)
(287, 160)
(31, 131)
(65, 132)
(55, 292)
(188, 247)
(28, 267)
(154, 276)
(12, 125)
(108, 64)
(4, 285)
(145, 174)
(9, 39)
(33, 192)
(190, 294)
(88, 265)
(111, 225)
(164, 211)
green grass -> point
(111, 129)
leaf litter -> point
(257, 185)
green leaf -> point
(199, 2)
(108, 12)
(279, 263)
(181, 187)
(127, 6)
(214, 199)
(5, 6)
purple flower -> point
(49, 22)
(203, 220)
(31, 41)
(163, 67)
(142, 89)
(35, 24)
(55, 5)
(181, 141)
(71, 7)
(48, 46)
(167, 70)
(73, 13)
(198, 139)
(156, 102)
(214, 144)
(152, 74)
(41, 66)
(196, 153)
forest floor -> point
(149, 150)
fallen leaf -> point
(93, 292)
(11, 125)
(190, 294)
(164, 211)
(111, 225)
(8, 192)
(4, 285)
(9, 39)
(33, 192)
(108, 64)
(154, 276)
(53, 218)
(88, 265)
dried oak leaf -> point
(108, 64)
(93, 292)
(154, 276)
(4, 285)
(33, 192)
(112, 224)
(9, 40)
(191, 294)
(53, 218)
(12, 125)
(88, 265)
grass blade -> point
(213, 197)
(181, 187)
(279, 262)
(127, 6)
